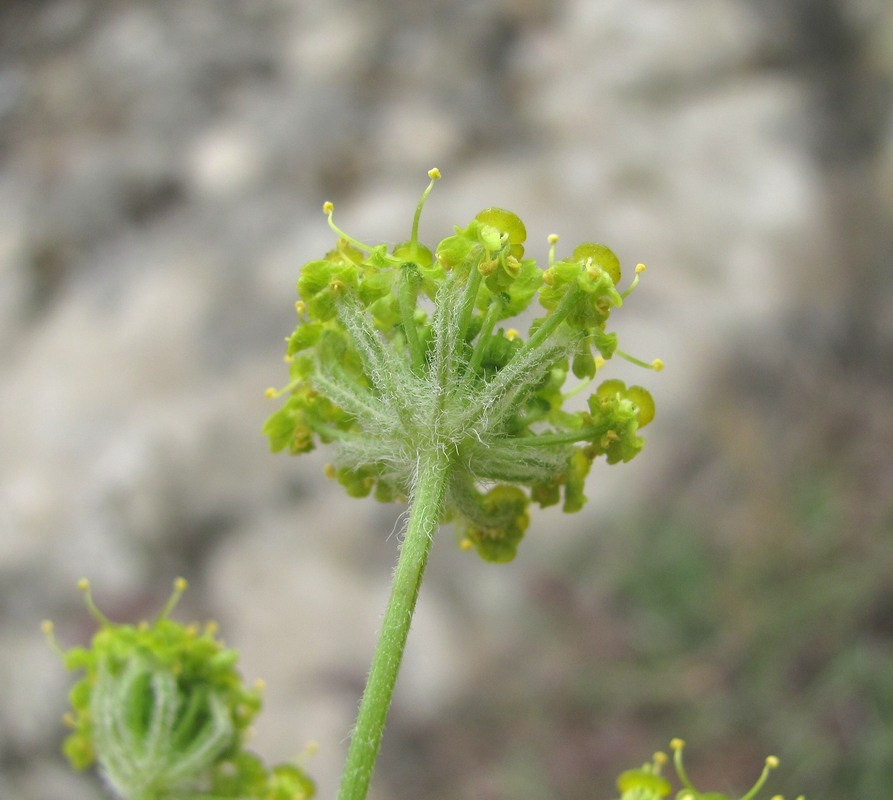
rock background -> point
(163, 167)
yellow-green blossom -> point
(398, 352)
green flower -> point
(163, 711)
(646, 782)
(398, 352)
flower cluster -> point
(404, 349)
(164, 712)
(647, 783)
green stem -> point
(409, 280)
(487, 326)
(549, 325)
(566, 437)
(427, 503)
(471, 293)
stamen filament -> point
(179, 587)
(434, 174)
(553, 240)
(771, 763)
(640, 268)
(328, 209)
(677, 746)
(657, 365)
(102, 619)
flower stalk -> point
(427, 504)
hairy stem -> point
(426, 506)
(408, 300)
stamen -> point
(49, 633)
(677, 745)
(640, 268)
(328, 208)
(84, 588)
(434, 175)
(657, 365)
(771, 763)
(553, 240)
(180, 585)
(272, 392)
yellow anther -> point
(434, 174)
(330, 471)
(599, 363)
(68, 720)
(776, 797)
(772, 762)
(83, 585)
(661, 758)
(640, 268)
(311, 748)
(511, 334)
(593, 270)
(180, 585)
(548, 277)
(553, 238)
(677, 744)
(300, 306)
(328, 207)
(260, 684)
(466, 544)
(270, 392)
(46, 627)
(487, 267)
(211, 627)
(336, 285)
(657, 365)
(512, 266)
